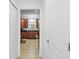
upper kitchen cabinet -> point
(24, 23)
(37, 23)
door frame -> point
(39, 44)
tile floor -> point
(29, 49)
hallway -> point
(29, 49)
(45, 20)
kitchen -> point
(30, 24)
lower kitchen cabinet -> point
(29, 35)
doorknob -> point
(47, 41)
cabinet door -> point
(37, 23)
(32, 35)
(24, 23)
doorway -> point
(29, 32)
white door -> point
(57, 14)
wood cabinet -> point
(24, 23)
(28, 35)
(37, 23)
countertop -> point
(29, 30)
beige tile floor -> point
(29, 49)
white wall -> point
(29, 4)
(14, 33)
(44, 31)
